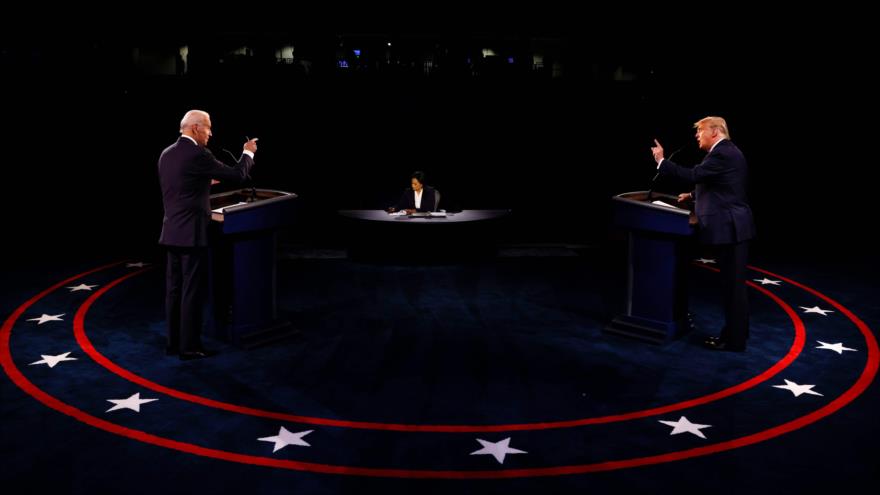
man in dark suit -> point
(417, 198)
(724, 220)
(186, 171)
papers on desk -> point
(220, 210)
(420, 214)
(661, 203)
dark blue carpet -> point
(499, 342)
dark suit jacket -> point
(722, 207)
(408, 199)
(185, 173)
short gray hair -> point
(193, 117)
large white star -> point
(796, 389)
(816, 309)
(53, 360)
(81, 287)
(685, 426)
(285, 438)
(838, 347)
(705, 260)
(767, 281)
(139, 264)
(134, 403)
(45, 318)
(498, 450)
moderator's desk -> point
(461, 217)
(377, 234)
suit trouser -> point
(185, 284)
(732, 262)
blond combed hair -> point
(716, 122)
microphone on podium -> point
(675, 152)
(230, 154)
(651, 190)
(253, 196)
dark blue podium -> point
(656, 293)
(243, 264)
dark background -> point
(88, 110)
(87, 106)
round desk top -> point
(460, 217)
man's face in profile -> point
(202, 132)
(706, 136)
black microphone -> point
(253, 188)
(651, 190)
(674, 152)
(230, 154)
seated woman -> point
(417, 198)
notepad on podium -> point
(662, 203)
(222, 208)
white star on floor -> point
(81, 287)
(285, 438)
(134, 403)
(139, 264)
(838, 347)
(53, 360)
(705, 260)
(816, 309)
(498, 450)
(767, 281)
(796, 389)
(45, 318)
(685, 426)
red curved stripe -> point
(864, 381)
(85, 343)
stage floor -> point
(405, 377)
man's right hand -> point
(657, 151)
(684, 197)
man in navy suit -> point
(724, 220)
(186, 171)
(417, 198)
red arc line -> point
(861, 384)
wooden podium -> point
(656, 294)
(243, 264)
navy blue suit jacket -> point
(185, 173)
(408, 199)
(722, 208)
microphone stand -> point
(651, 190)
(253, 196)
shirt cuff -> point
(251, 153)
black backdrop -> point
(86, 116)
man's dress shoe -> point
(720, 345)
(197, 354)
